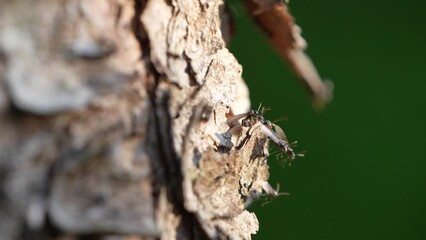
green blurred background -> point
(364, 176)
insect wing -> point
(280, 133)
(237, 117)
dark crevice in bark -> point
(145, 48)
(166, 165)
(171, 163)
(190, 71)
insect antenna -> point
(284, 160)
(301, 154)
(264, 110)
(280, 193)
(281, 119)
(260, 106)
(269, 197)
(293, 144)
(279, 154)
(261, 109)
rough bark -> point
(113, 123)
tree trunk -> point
(113, 122)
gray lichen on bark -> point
(113, 123)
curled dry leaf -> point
(278, 24)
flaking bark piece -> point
(63, 58)
(107, 192)
(223, 184)
(102, 183)
(278, 24)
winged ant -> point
(253, 119)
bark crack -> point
(167, 159)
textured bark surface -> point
(113, 123)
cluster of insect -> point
(254, 120)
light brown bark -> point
(113, 123)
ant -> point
(269, 195)
(253, 119)
(271, 192)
